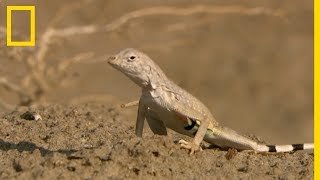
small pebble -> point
(31, 116)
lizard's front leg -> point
(141, 117)
(195, 144)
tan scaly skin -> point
(165, 105)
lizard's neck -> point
(156, 79)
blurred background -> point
(250, 62)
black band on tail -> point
(298, 147)
(272, 148)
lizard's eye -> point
(131, 58)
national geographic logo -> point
(32, 12)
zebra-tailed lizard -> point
(165, 105)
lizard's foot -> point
(190, 146)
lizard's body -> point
(165, 105)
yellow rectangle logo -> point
(32, 26)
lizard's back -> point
(172, 98)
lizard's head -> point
(134, 64)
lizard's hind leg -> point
(195, 144)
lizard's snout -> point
(111, 60)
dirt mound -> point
(95, 141)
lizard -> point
(163, 104)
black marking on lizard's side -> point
(190, 126)
(298, 147)
(272, 148)
(193, 127)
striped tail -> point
(228, 138)
(284, 148)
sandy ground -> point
(94, 141)
(250, 62)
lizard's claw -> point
(190, 146)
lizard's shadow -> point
(212, 146)
(29, 146)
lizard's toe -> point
(181, 142)
(190, 146)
